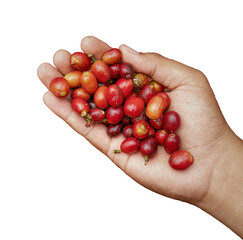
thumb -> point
(166, 71)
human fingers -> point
(91, 44)
(61, 60)
(46, 72)
(96, 134)
(168, 72)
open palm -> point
(201, 131)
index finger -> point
(91, 44)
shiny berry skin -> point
(114, 96)
(114, 114)
(158, 87)
(171, 121)
(158, 123)
(147, 93)
(142, 116)
(155, 107)
(59, 87)
(151, 132)
(140, 80)
(114, 130)
(181, 160)
(133, 94)
(100, 97)
(160, 136)
(89, 82)
(73, 78)
(112, 56)
(126, 70)
(125, 85)
(148, 147)
(126, 120)
(105, 123)
(133, 107)
(97, 115)
(80, 61)
(141, 129)
(172, 143)
(130, 145)
(101, 71)
(127, 131)
(166, 97)
(92, 104)
(81, 93)
(115, 71)
(80, 106)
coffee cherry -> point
(100, 97)
(89, 82)
(158, 123)
(155, 107)
(126, 70)
(180, 160)
(114, 130)
(166, 98)
(141, 129)
(160, 136)
(172, 143)
(80, 106)
(140, 80)
(112, 56)
(59, 87)
(126, 86)
(81, 93)
(115, 71)
(158, 87)
(73, 78)
(142, 116)
(92, 104)
(151, 132)
(147, 93)
(148, 147)
(96, 115)
(114, 96)
(127, 131)
(114, 114)
(133, 107)
(126, 120)
(101, 71)
(80, 61)
(129, 146)
(171, 121)
(133, 94)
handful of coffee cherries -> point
(109, 92)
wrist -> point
(224, 199)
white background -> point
(53, 183)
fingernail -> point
(132, 51)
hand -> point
(204, 131)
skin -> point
(214, 182)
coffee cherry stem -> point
(84, 113)
(146, 160)
(92, 57)
(88, 117)
(104, 120)
(116, 151)
(88, 122)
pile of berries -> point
(108, 91)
